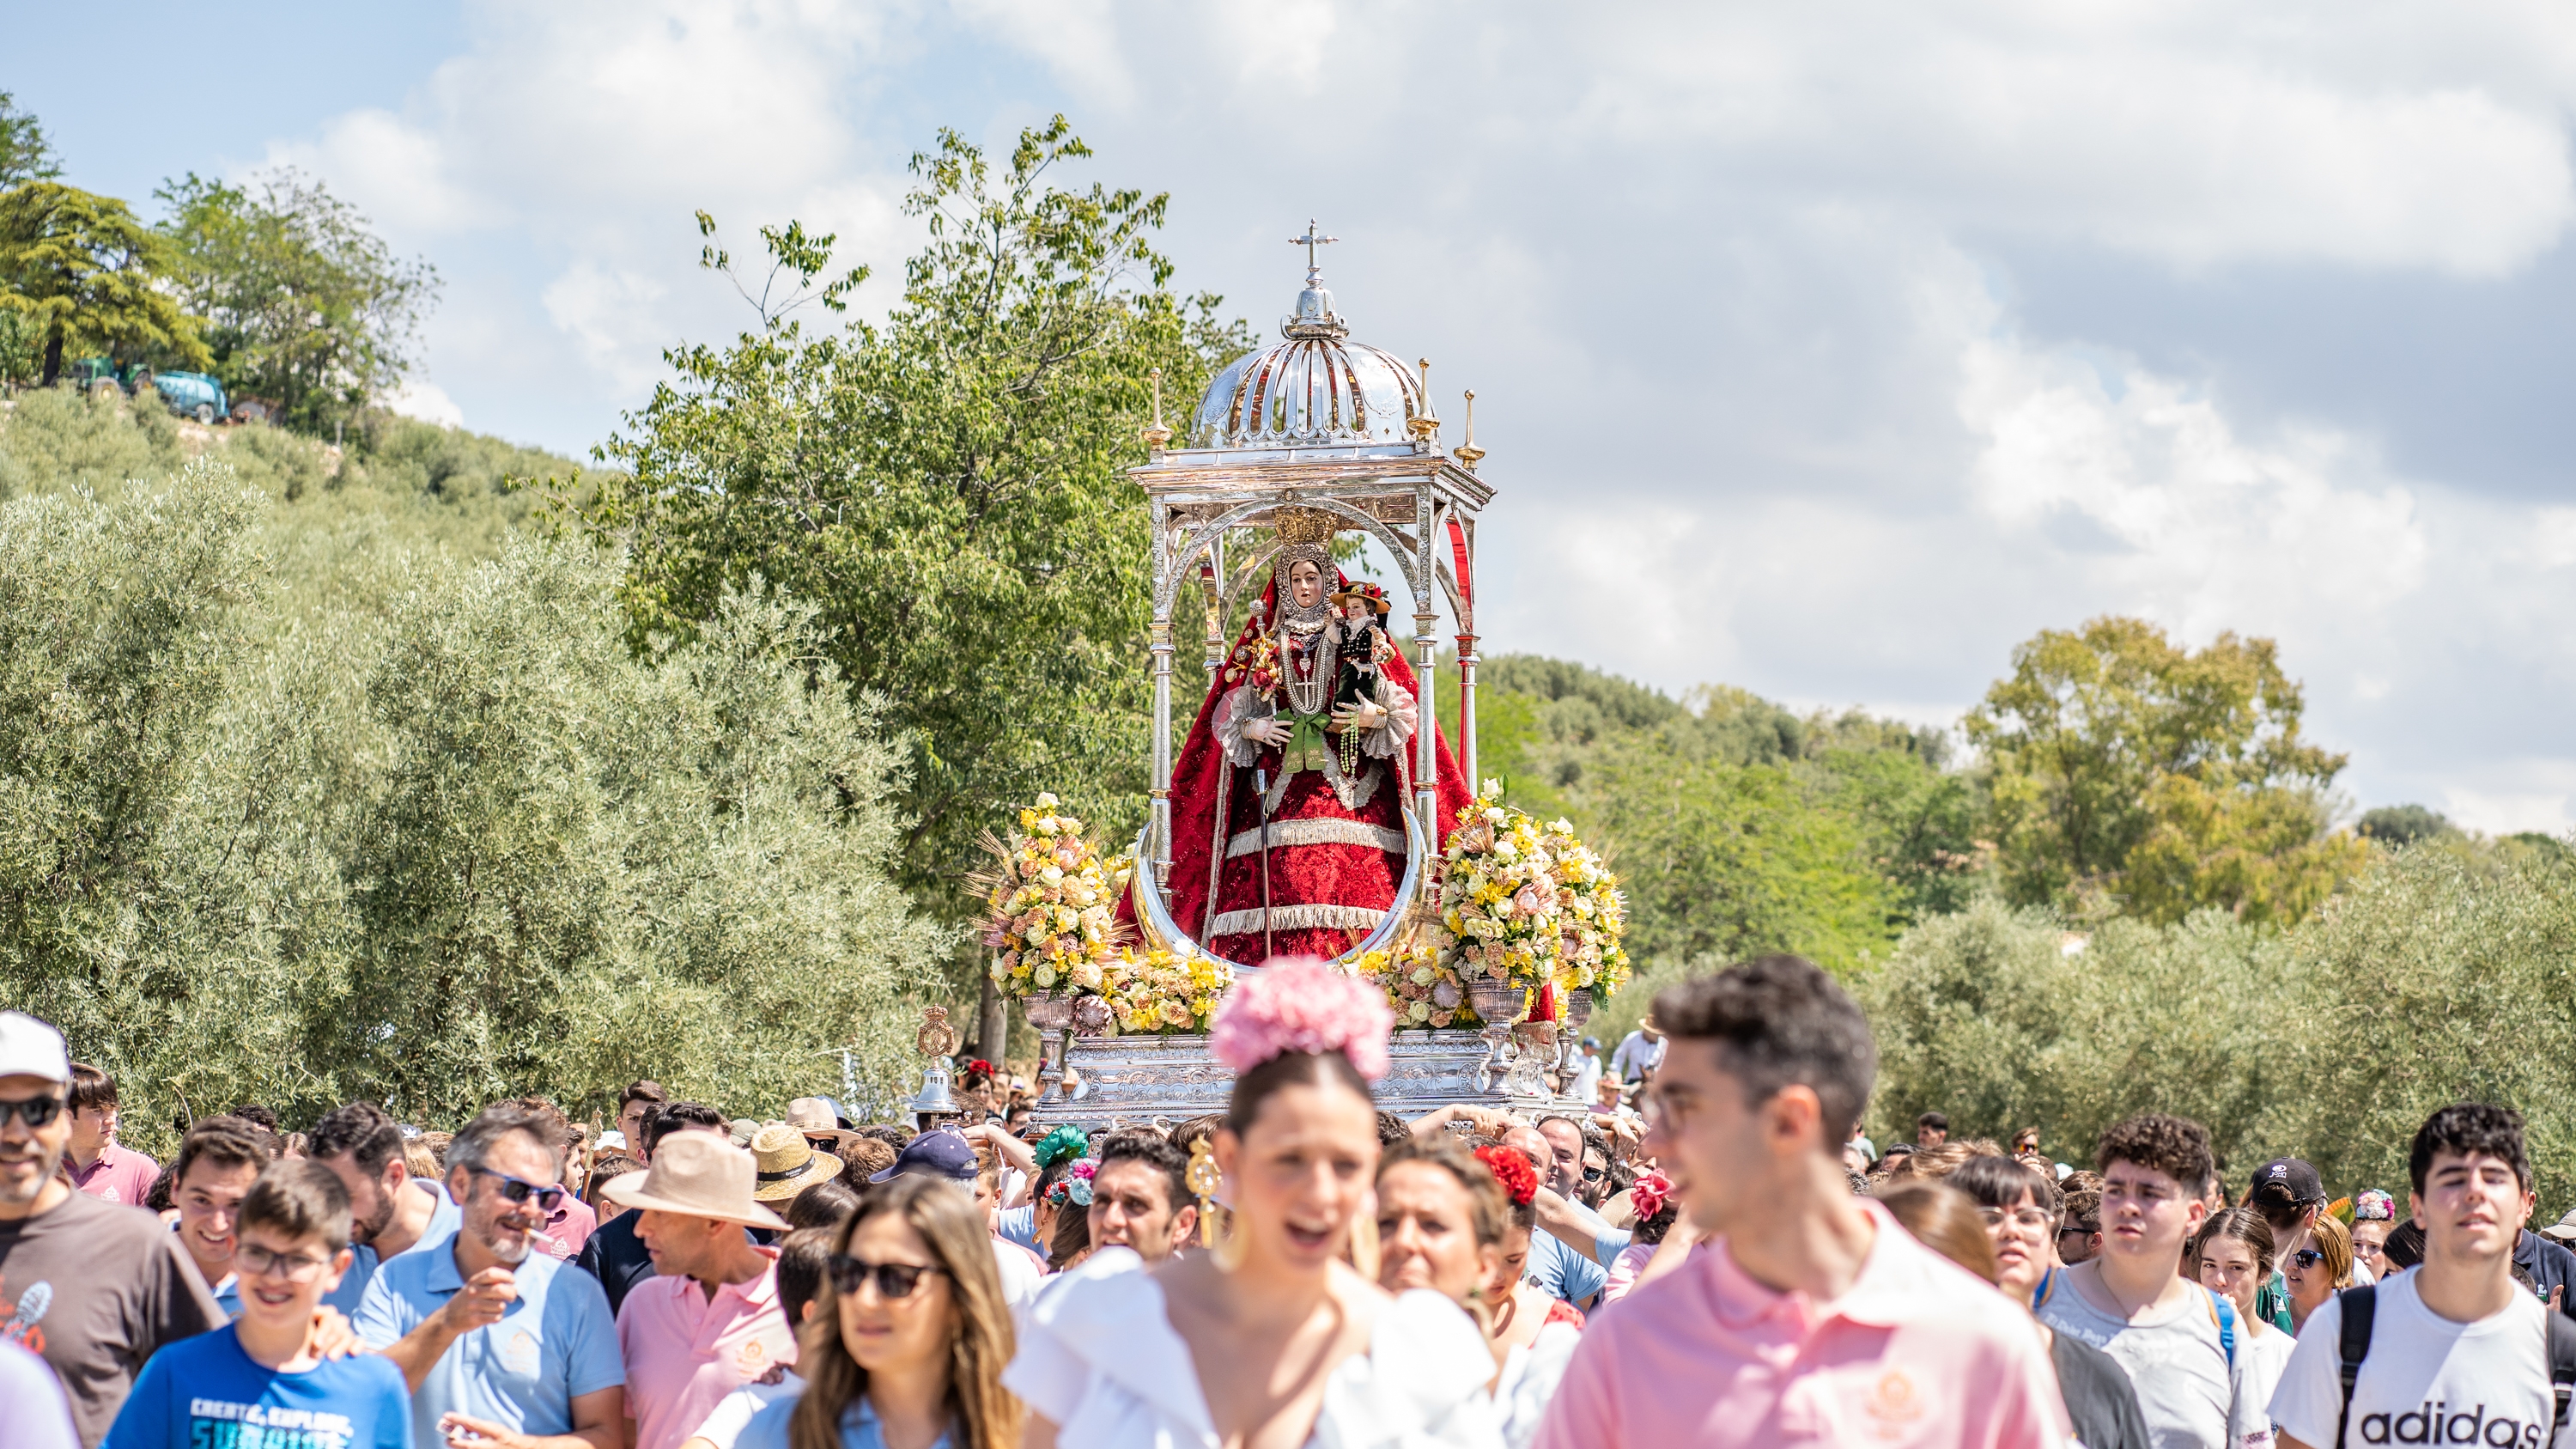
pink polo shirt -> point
(685, 1352)
(119, 1175)
(1919, 1351)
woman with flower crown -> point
(1287, 832)
(1269, 1340)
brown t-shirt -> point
(95, 1287)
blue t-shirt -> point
(1018, 1225)
(205, 1393)
(554, 1343)
(859, 1427)
(1561, 1271)
(363, 1261)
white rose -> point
(1044, 976)
(1051, 875)
(1418, 1011)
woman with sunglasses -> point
(1268, 1339)
(905, 1348)
(2319, 1270)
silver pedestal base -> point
(1134, 1079)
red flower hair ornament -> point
(1650, 1194)
(1511, 1167)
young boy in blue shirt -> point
(259, 1381)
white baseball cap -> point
(32, 1048)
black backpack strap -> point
(2562, 1361)
(2360, 1305)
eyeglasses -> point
(259, 1262)
(36, 1112)
(2032, 1218)
(894, 1280)
(516, 1190)
(2308, 1257)
(1594, 1174)
(2076, 1230)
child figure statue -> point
(1364, 608)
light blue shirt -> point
(859, 1427)
(1019, 1225)
(1560, 1271)
(363, 1261)
(556, 1342)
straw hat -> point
(788, 1163)
(817, 1117)
(698, 1175)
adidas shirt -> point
(2426, 1380)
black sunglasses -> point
(894, 1280)
(517, 1190)
(34, 1111)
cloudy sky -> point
(1826, 351)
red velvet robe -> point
(1347, 880)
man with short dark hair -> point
(1140, 1196)
(391, 1211)
(2452, 1351)
(2131, 1302)
(1807, 1312)
(613, 1253)
(636, 1106)
(218, 1161)
(501, 1345)
(1930, 1131)
(268, 1369)
(95, 1162)
(2289, 1195)
(93, 1286)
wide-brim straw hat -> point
(698, 1175)
(814, 1117)
(787, 1163)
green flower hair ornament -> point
(1060, 1144)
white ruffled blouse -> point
(1098, 1356)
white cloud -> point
(612, 316)
(427, 401)
(1731, 284)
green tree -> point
(302, 302)
(2403, 824)
(2434, 977)
(2126, 769)
(297, 807)
(948, 486)
(25, 154)
(87, 274)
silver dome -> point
(1315, 387)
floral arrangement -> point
(1158, 990)
(1650, 1194)
(1421, 988)
(1050, 902)
(1299, 1004)
(1592, 914)
(1526, 904)
(1075, 1185)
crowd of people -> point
(1709, 1251)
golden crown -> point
(1306, 525)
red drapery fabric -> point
(1336, 873)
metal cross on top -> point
(1310, 241)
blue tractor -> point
(189, 394)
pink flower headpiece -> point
(1299, 1004)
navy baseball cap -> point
(938, 1153)
(2287, 1182)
